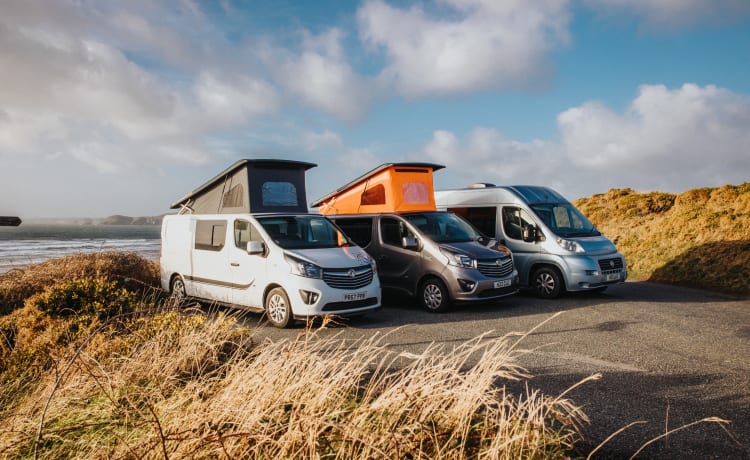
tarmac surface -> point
(668, 357)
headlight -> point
(569, 245)
(303, 268)
(459, 260)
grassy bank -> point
(700, 238)
(96, 363)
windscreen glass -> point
(564, 220)
(444, 227)
(303, 232)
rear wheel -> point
(547, 283)
(278, 308)
(433, 295)
(177, 289)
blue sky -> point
(123, 107)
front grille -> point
(348, 278)
(495, 268)
(613, 265)
(338, 306)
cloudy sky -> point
(124, 107)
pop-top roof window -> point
(279, 194)
(415, 193)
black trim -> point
(219, 283)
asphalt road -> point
(668, 356)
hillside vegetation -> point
(699, 238)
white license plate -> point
(502, 284)
(354, 296)
(613, 276)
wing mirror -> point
(255, 247)
(529, 233)
(409, 242)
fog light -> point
(308, 297)
(592, 272)
(466, 285)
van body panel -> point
(217, 267)
(594, 261)
(405, 269)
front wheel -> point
(547, 283)
(278, 308)
(177, 289)
(433, 295)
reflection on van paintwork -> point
(555, 247)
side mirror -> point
(255, 247)
(409, 242)
(529, 233)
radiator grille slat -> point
(495, 268)
(348, 278)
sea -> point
(33, 243)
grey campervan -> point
(554, 246)
(435, 256)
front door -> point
(513, 220)
(249, 271)
(398, 267)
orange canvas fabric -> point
(390, 188)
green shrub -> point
(85, 296)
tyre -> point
(278, 308)
(547, 283)
(433, 295)
(177, 289)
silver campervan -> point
(555, 248)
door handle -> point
(235, 264)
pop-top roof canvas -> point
(391, 187)
(251, 186)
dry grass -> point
(699, 238)
(176, 384)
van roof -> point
(237, 189)
(390, 187)
(531, 194)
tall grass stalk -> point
(175, 385)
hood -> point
(595, 245)
(473, 250)
(344, 257)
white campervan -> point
(554, 246)
(292, 265)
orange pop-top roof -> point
(391, 187)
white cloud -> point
(666, 140)
(486, 155)
(231, 100)
(320, 75)
(322, 140)
(488, 44)
(675, 13)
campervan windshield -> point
(565, 220)
(444, 227)
(304, 232)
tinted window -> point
(210, 235)
(392, 231)
(359, 230)
(244, 231)
(303, 232)
(514, 220)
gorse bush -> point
(124, 268)
(85, 296)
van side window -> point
(392, 231)
(244, 231)
(483, 218)
(514, 220)
(210, 235)
(359, 230)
